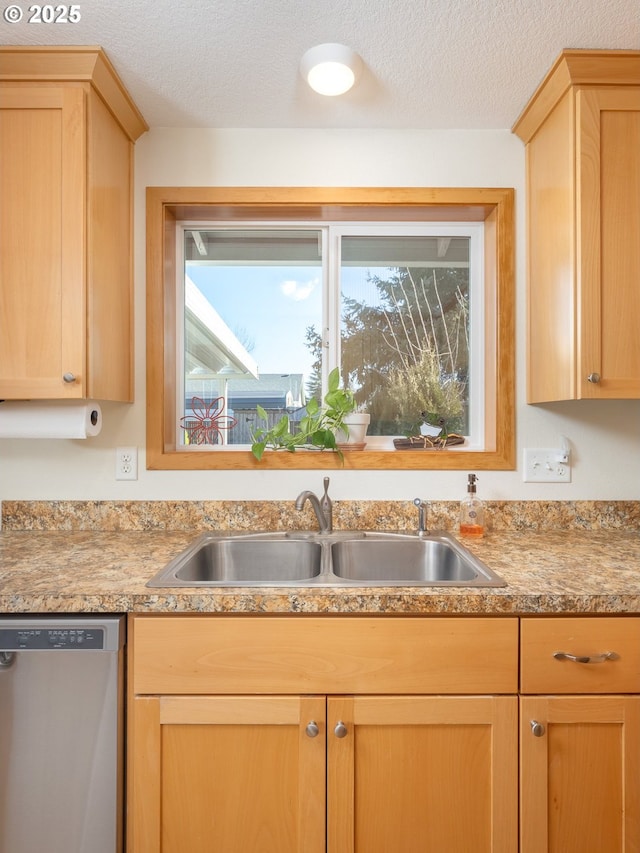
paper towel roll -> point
(36, 419)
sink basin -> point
(305, 559)
(408, 561)
(236, 561)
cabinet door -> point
(422, 774)
(232, 773)
(42, 240)
(609, 241)
(580, 774)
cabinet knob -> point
(312, 729)
(340, 729)
(594, 378)
(537, 729)
(69, 377)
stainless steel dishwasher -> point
(61, 734)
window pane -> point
(251, 299)
(405, 330)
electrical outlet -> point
(546, 465)
(126, 463)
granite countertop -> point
(547, 572)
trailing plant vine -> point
(316, 429)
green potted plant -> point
(317, 428)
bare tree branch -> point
(444, 324)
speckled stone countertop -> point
(583, 559)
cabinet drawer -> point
(408, 655)
(584, 638)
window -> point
(409, 345)
(265, 313)
(255, 295)
(249, 300)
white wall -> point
(604, 436)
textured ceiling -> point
(234, 63)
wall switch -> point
(126, 463)
(546, 465)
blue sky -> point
(269, 306)
(272, 307)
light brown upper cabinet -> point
(582, 134)
(67, 129)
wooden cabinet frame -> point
(581, 129)
(66, 256)
(357, 813)
(579, 770)
(580, 780)
(580, 734)
(209, 692)
(153, 717)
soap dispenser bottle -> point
(471, 511)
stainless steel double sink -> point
(342, 558)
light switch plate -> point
(543, 465)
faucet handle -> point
(326, 505)
(423, 507)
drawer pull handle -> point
(586, 658)
(312, 729)
(340, 729)
(537, 729)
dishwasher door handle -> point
(7, 659)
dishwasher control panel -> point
(39, 639)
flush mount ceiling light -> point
(330, 69)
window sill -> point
(456, 459)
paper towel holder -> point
(32, 419)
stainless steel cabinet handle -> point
(586, 658)
(69, 377)
(340, 729)
(537, 729)
(312, 729)
(593, 377)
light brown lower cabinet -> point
(580, 737)
(383, 734)
(580, 774)
(315, 735)
(308, 774)
(421, 773)
(229, 773)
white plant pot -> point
(357, 423)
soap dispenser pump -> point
(471, 511)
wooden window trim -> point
(167, 205)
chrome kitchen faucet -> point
(323, 508)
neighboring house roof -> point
(270, 390)
(279, 388)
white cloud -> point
(298, 290)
